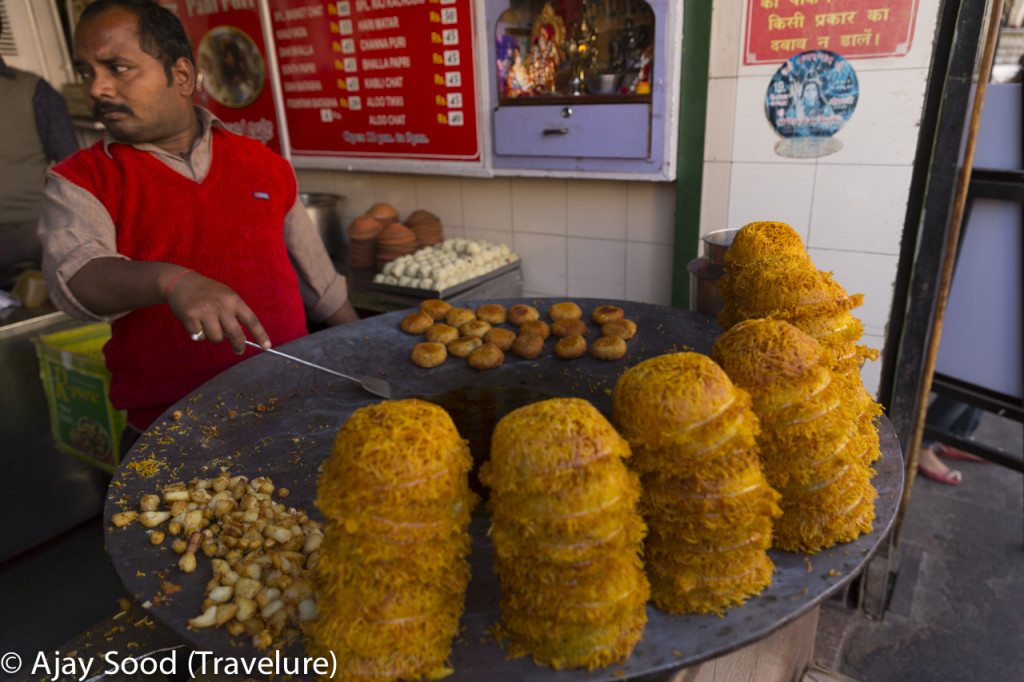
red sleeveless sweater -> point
(229, 227)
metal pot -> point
(706, 270)
(325, 211)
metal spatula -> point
(370, 384)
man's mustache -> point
(101, 108)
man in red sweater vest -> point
(172, 227)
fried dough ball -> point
(567, 310)
(416, 323)
(428, 354)
(521, 312)
(492, 313)
(608, 348)
(487, 356)
(538, 327)
(624, 329)
(442, 333)
(457, 317)
(502, 338)
(464, 345)
(604, 314)
(435, 307)
(571, 347)
(571, 326)
(475, 328)
(528, 345)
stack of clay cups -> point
(392, 573)
(810, 441)
(427, 227)
(362, 236)
(705, 499)
(566, 536)
(383, 212)
(394, 240)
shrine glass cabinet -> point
(584, 88)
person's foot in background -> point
(949, 452)
(930, 466)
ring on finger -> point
(199, 335)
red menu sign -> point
(378, 78)
(779, 29)
(231, 56)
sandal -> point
(948, 477)
(949, 452)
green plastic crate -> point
(77, 385)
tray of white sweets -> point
(447, 269)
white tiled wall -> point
(578, 238)
(848, 206)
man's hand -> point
(108, 286)
(205, 305)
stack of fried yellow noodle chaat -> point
(392, 571)
(566, 536)
(769, 274)
(705, 499)
(810, 442)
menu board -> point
(779, 29)
(378, 78)
(231, 56)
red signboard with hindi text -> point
(385, 79)
(778, 29)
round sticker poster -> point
(809, 99)
(232, 66)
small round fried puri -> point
(487, 356)
(457, 317)
(428, 354)
(603, 314)
(521, 312)
(567, 310)
(571, 347)
(608, 348)
(538, 327)
(528, 345)
(475, 328)
(570, 326)
(416, 323)
(502, 338)
(464, 345)
(492, 313)
(442, 333)
(435, 307)
(624, 329)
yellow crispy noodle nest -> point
(769, 274)
(705, 499)
(817, 433)
(566, 536)
(759, 239)
(392, 572)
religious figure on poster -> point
(518, 81)
(546, 54)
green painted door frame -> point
(693, 100)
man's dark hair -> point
(161, 35)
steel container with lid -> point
(706, 270)
(325, 211)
